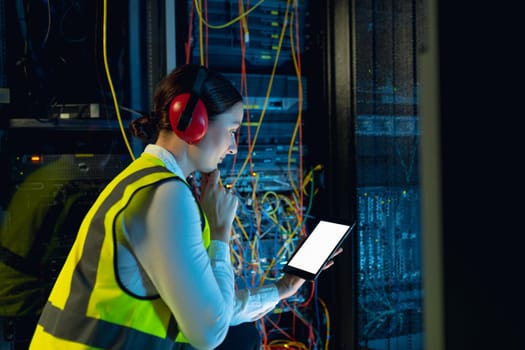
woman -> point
(150, 268)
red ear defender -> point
(189, 126)
(188, 115)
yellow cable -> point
(289, 344)
(244, 22)
(279, 253)
(227, 24)
(241, 227)
(325, 308)
(274, 210)
(110, 82)
(198, 8)
(268, 90)
(299, 112)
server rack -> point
(373, 104)
(258, 46)
(60, 142)
(390, 292)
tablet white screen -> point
(318, 246)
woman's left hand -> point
(331, 261)
(289, 284)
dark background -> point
(481, 74)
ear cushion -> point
(190, 125)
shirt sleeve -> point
(251, 304)
(196, 284)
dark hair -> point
(218, 95)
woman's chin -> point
(207, 170)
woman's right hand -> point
(219, 204)
(288, 285)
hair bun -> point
(145, 126)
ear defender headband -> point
(188, 115)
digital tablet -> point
(316, 250)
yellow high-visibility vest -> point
(87, 308)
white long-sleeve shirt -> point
(155, 257)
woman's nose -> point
(232, 148)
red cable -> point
(187, 45)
